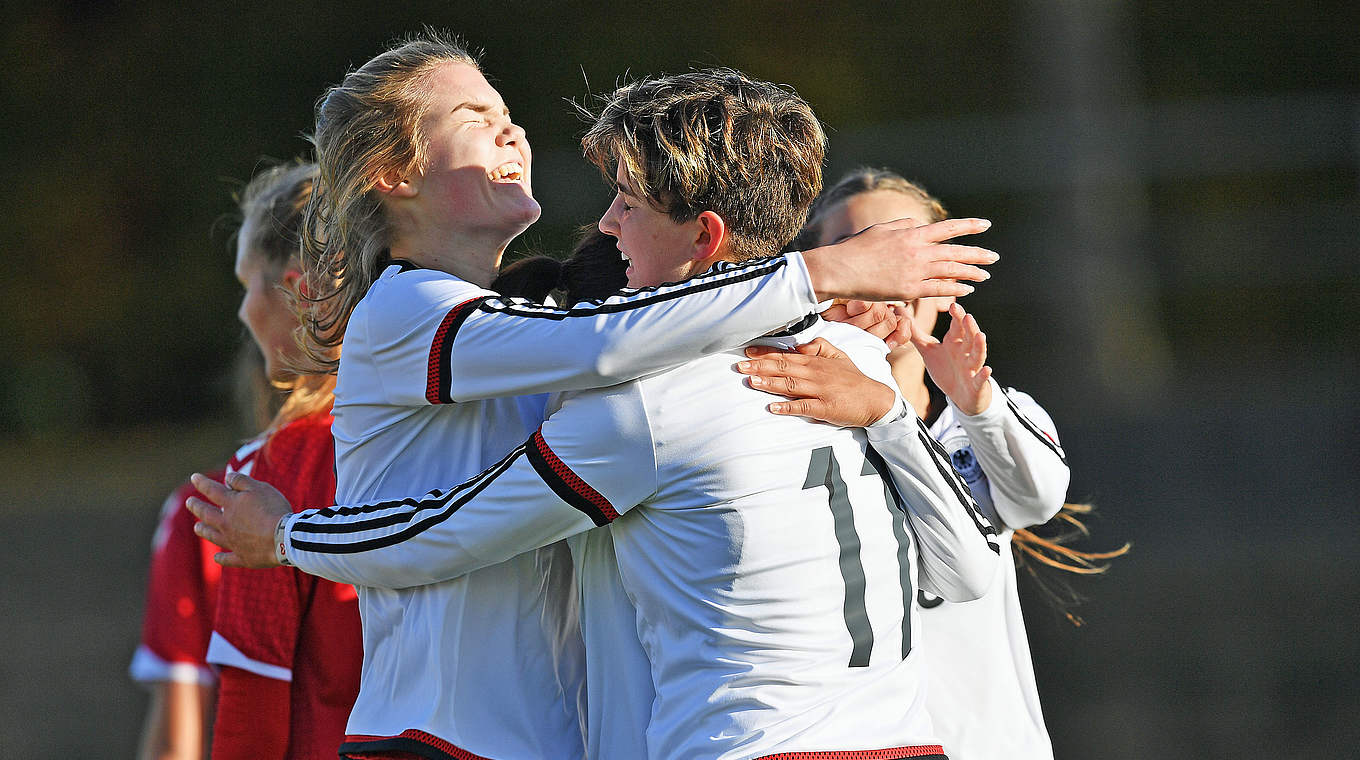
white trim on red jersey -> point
(222, 652)
(147, 668)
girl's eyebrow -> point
(479, 107)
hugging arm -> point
(588, 463)
(958, 544)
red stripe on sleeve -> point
(436, 371)
(571, 480)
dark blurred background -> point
(1174, 187)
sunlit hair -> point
(272, 212)
(715, 140)
(1053, 551)
(367, 127)
(858, 182)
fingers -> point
(205, 512)
(238, 482)
(212, 490)
(955, 334)
(978, 350)
(803, 407)
(209, 533)
(796, 375)
(941, 288)
(874, 317)
(837, 313)
(229, 559)
(820, 347)
(755, 352)
(855, 307)
(900, 336)
(921, 340)
(770, 360)
(877, 319)
(783, 385)
(952, 228)
(949, 268)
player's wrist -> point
(987, 403)
(896, 413)
(822, 275)
(281, 542)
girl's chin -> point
(528, 211)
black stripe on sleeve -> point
(965, 497)
(721, 275)
(441, 503)
(1034, 429)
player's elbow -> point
(611, 366)
(967, 578)
(1033, 502)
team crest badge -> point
(967, 464)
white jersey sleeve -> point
(590, 461)
(959, 550)
(1015, 443)
(438, 339)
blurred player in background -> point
(982, 693)
(181, 598)
(170, 660)
(287, 644)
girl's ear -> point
(397, 187)
(294, 281)
(711, 235)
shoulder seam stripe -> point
(439, 369)
(738, 273)
(568, 486)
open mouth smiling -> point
(511, 171)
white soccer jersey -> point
(488, 663)
(982, 695)
(619, 691)
(773, 577)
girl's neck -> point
(474, 260)
(910, 373)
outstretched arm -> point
(900, 261)
(958, 545)
(446, 341)
(590, 461)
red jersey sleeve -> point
(181, 598)
(259, 611)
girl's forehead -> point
(454, 83)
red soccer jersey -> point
(286, 625)
(181, 597)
